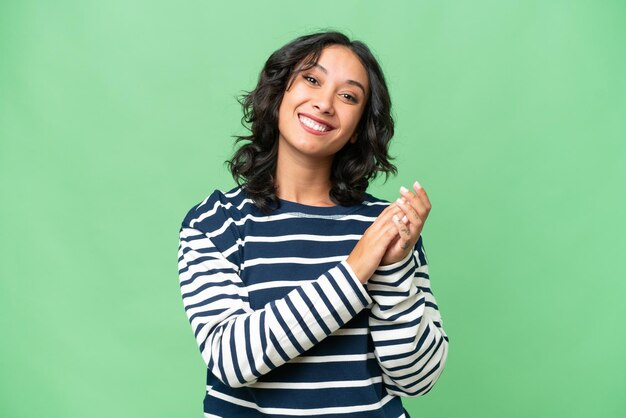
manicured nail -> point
(417, 185)
(396, 218)
(403, 189)
(401, 201)
(404, 219)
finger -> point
(416, 223)
(388, 211)
(390, 231)
(384, 223)
(403, 231)
(421, 193)
(409, 212)
(384, 217)
(418, 205)
(388, 208)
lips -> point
(314, 125)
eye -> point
(310, 79)
(349, 97)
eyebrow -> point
(352, 82)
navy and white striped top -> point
(284, 325)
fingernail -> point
(417, 185)
(396, 218)
(403, 189)
(404, 219)
(401, 200)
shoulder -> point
(373, 205)
(369, 199)
(217, 209)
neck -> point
(303, 180)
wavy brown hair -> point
(253, 165)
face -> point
(321, 109)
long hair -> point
(253, 166)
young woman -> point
(308, 296)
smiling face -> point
(321, 109)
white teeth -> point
(313, 125)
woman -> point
(308, 296)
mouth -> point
(314, 126)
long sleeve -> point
(409, 341)
(239, 344)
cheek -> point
(288, 103)
(283, 110)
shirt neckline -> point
(289, 206)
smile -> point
(315, 126)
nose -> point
(323, 101)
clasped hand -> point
(393, 235)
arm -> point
(409, 341)
(239, 344)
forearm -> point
(239, 344)
(410, 343)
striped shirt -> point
(284, 325)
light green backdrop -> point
(116, 117)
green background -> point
(116, 117)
